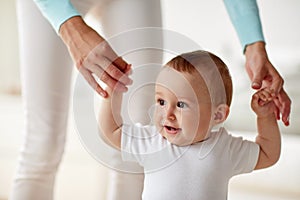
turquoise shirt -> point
(57, 11)
(243, 14)
(245, 18)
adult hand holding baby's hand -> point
(263, 103)
(93, 55)
(263, 74)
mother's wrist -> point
(256, 46)
(72, 29)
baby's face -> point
(183, 108)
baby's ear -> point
(221, 113)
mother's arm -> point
(245, 17)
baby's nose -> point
(171, 117)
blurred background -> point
(207, 23)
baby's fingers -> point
(265, 96)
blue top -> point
(243, 14)
(57, 11)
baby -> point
(183, 154)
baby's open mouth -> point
(172, 130)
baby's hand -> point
(263, 103)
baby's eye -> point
(161, 102)
(181, 104)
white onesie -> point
(196, 172)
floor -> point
(81, 177)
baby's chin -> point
(175, 141)
(180, 143)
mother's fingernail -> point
(103, 94)
(287, 123)
(255, 85)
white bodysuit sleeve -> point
(243, 155)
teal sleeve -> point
(57, 11)
(244, 15)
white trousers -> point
(46, 70)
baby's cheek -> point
(158, 118)
(191, 121)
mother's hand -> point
(93, 55)
(263, 74)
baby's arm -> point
(110, 120)
(268, 132)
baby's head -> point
(193, 93)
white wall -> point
(9, 55)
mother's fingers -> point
(106, 51)
(96, 61)
(121, 64)
(277, 110)
(108, 80)
(104, 63)
(276, 81)
(118, 75)
(285, 108)
(257, 78)
(92, 82)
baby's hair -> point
(197, 62)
